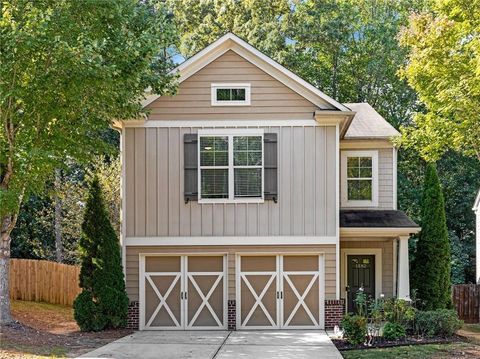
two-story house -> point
(251, 199)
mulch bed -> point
(342, 344)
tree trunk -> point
(58, 217)
(7, 226)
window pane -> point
(359, 190)
(353, 162)
(366, 162)
(254, 143)
(255, 158)
(238, 94)
(248, 182)
(352, 172)
(214, 183)
(240, 158)
(365, 172)
(213, 151)
(240, 143)
(223, 94)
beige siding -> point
(154, 188)
(270, 99)
(385, 177)
(132, 260)
(387, 260)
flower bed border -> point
(410, 340)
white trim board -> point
(377, 252)
(228, 241)
(226, 123)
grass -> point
(472, 327)
(414, 352)
(13, 350)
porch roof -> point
(363, 218)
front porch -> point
(374, 254)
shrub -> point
(354, 328)
(442, 322)
(86, 313)
(394, 331)
(398, 311)
(103, 302)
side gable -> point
(270, 98)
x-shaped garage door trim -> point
(205, 298)
(301, 298)
(163, 299)
(258, 298)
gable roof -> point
(368, 123)
(232, 42)
(476, 205)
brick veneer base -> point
(334, 310)
(232, 315)
(133, 315)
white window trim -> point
(360, 203)
(230, 133)
(231, 85)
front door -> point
(360, 274)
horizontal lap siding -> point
(387, 259)
(132, 261)
(154, 188)
(270, 99)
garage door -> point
(183, 292)
(280, 291)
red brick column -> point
(232, 315)
(133, 315)
(334, 310)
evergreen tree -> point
(431, 267)
(103, 302)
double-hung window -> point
(359, 178)
(230, 165)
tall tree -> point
(431, 268)
(443, 68)
(258, 22)
(103, 302)
(69, 68)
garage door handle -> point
(181, 295)
(281, 295)
(185, 295)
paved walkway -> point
(293, 344)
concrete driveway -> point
(220, 345)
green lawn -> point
(472, 327)
(437, 351)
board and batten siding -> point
(385, 177)
(155, 204)
(270, 99)
(132, 262)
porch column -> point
(403, 271)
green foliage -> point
(398, 311)
(394, 331)
(257, 22)
(101, 273)
(431, 269)
(354, 328)
(87, 314)
(442, 322)
(66, 75)
(442, 67)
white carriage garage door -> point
(280, 291)
(183, 292)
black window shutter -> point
(271, 167)
(190, 166)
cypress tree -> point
(431, 267)
(103, 302)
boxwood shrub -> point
(441, 322)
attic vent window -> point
(231, 94)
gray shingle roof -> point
(368, 123)
(375, 218)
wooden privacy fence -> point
(466, 299)
(43, 281)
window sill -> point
(358, 204)
(225, 200)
